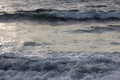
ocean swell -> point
(61, 14)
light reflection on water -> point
(36, 37)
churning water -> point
(59, 39)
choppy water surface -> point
(89, 36)
(59, 40)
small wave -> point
(61, 15)
(98, 29)
(72, 66)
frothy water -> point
(59, 39)
(59, 50)
(71, 66)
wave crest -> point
(61, 14)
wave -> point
(98, 29)
(61, 15)
(72, 66)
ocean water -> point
(59, 39)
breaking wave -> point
(55, 66)
(61, 14)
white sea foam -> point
(27, 65)
(71, 66)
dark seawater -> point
(59, 39)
